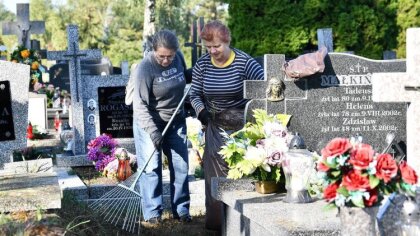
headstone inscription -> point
(7, 129)
(115, 117)
(74, 55)
(405, 87)
(336, 103)
(104, 101)
(14, 78)
(23, 28)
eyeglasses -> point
(161, 58)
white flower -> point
(274, 129)
(257, 155)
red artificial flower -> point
(322, 167)
(373, 198)
(330, 191)
(361, 156)
(336, 147)
(386, 168)
(353, 181)
(408, 174)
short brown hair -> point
(214, 29)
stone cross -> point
(74, 55)
(196, 48)
(23, 28)
(405, 87)
(325, 38)
(257, 89)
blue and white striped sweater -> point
(223, 87)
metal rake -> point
(122, 204)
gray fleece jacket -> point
(157, 92)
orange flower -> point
(35, 65)
(25, 53)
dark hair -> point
(165, 38)
(214, 29)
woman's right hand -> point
(204, 116)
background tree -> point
(408, 15)
(281, 26)
(5, 15)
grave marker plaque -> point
(7, 130)
(336, 103)
(115, 117)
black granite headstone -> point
(115, 117)
(336, 103)
(59, 76)
(7, 129)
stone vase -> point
(265, 187)
(358, 221)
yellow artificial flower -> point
(35, 65)
(25, 53)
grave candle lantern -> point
(297, 167)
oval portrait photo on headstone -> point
(91, 119)
(91, 104)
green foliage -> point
(241, 153)
(290, 27)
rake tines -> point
(121, 205)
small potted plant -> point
(257, 150)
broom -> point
(122, 204)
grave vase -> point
(358, 221)
(265, 187)
(124, 169)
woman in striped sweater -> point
(217, 98)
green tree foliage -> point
(408, 16)
(366, 27)
(5, 15)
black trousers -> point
(214, 165)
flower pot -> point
(266, 187)
(358, 221)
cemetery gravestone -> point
(59, 76)
(74, 55)
(23, 28)
(37, 111)
(336, 103)
(405, 87)
(115, 117)
(110, 113)
(14, 78)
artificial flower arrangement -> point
(356, 176)
(29, 57)
(196, 136)
(257, 150)
(104, 151)
(49, 90)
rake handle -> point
(163, 134)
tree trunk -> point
(149, 27)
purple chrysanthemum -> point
(101, 150)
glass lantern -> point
(409, 223)
(297, 167)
